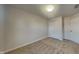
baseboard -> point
(55, 38)
(72, 41)
(2, 52)
(23, 45)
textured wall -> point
(2, 21)
(24, 28)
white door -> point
(67, 28)
(74, 29)
(55, 28)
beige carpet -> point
(49, 46)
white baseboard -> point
(19, 46)
(56, 38)
(2, 52)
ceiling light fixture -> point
(50, 8)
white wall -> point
(24, 28)
(55, 28)
(2, 21)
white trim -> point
(55, 37)
(2, 52)
(19, 46)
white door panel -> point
(75, 28)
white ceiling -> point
(38, 9)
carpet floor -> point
(49, 46)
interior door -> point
(67, 28)
(75, 28)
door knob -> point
(70, 30)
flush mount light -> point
(50, 8)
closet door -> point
(55, 28)
(75, 28)
(67, 28)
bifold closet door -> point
(55, 28)
(67, 28)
